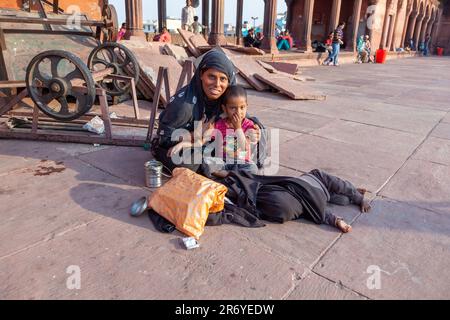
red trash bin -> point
(440, 51)
(380, 56)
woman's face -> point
(214, 83)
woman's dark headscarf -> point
(190, 104)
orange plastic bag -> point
(187, 199)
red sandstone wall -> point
(92, 8)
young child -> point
(328, 46)
(231, 135)
(196, 26)
(234, 128)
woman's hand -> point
(178, 147)
(254, 134)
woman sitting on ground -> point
(192, 111)
(284, 41)
(164, 36)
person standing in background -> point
(187, 16)
(196, 26)
(338, 36)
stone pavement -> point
(385, 127)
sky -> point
(252, 8)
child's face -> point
(235, 105)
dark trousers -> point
(336, 185)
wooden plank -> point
(247, 50)
(248, 67)
(289, 87)
(197, 40)
(2, 40)
(13, 101)
(161, 72)
(286, 67)
(63, 22)
(12, 84)
(43, 15)
(150, 64)
(71, 137)
(185, 35)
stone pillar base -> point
(269, 45)
(217, 39)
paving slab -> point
(267, 99)
(314, 287)
(396, 117)
(442, 130)
(382, 139)
(131, 167)
(300, 241)
(435, 150)
(446, 119)
(405, 245)
(334, 107)
(361, 165)
(423, 98)
(51, 197)
(421, 183)
(18, 154)
(292, 121)
(130, 260)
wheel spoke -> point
(47, 98)
(54, 61)
(64, 106)
(112, 53)
(75, 74)
(125, 63)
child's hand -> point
(236, 121)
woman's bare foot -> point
(343, 226)
(362, 190)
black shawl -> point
(276, 198)
(190, 103)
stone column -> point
(205, 16)
(239, 13)
(356, 16)
(405, 26)
(385, 31)
(411, 26)
(289, 15)
(335, 13)
(430, 24)
(417, 30)
(424, 28)
(270, 16)
(393, 36)
(305, 41)
(134, 17)
(162, 14)
(217, 37)
(391, 32)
